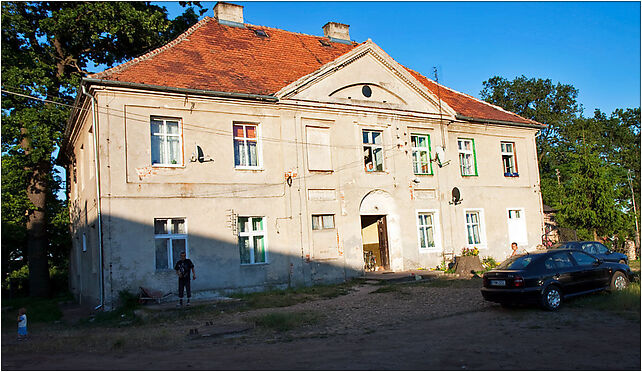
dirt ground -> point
(405, 328)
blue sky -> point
(594, 46)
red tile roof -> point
(469, 106)
(216, 57)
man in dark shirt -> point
(182, 268)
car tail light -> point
(518, 281)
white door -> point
(517, 227)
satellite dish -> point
(199, 154)
(456, 196)
(440, 157)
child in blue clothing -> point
(22, 323)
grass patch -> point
(286, 321)
(626, 301)
(452, 283)
(388, 288)
(293, 296)
(39, 310)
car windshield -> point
(516, 263)
(557, 245)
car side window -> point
(583, 259)
(588, 247)
(600, 249)
(562, 260)
(549, 264)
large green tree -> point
(46, 49)
(584, 162)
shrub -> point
(489, 263)
(470, 252)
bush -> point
(489, 263)
(470, 252)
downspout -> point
(97, 167)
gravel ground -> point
(408, 327)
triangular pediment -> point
(366, 76)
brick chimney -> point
(337, 31)
(229, 14)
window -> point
(562, 260)
(322, 221)
(508, 159)
(426, 230)
(474, 227)
(467, 161)
(421, 154)
(582, 258)
(84, 242)
(252, 240)
(516, 263)
(373, 150)
(167, 142)
(318, 145)
(246, 152)
(170, 238)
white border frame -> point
(482, 229)
(170, 260)
(436, 230)
(259, 146)
(151, 134)
(265, 241)
(523, 212)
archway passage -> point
(374, 235)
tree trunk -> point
(37, 242)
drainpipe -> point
(100, 232)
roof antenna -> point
(441, 118)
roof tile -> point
(216, 57)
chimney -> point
(337, 32)
(229, 14)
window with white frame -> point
(252, 244)
(246, 145)
(167, 141)
(467, 161)
(474, 228)
(426, 229)
(421, 153)
(373, 150)
(170, 238)
(508, 159)
(322, 221)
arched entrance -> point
(380, 231)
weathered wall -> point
(208, 194)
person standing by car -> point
(182, 267)
(516, 250)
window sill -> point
(511, 174)
(430, 250)
(478, 246)
(256, 169)
(424, 174)
(168, 165)
(254, 264)
(470, 175)
(377, 172)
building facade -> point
(275, 158)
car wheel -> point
(551, 298)
(619, 281)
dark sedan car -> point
(549, 277)
(597, 249)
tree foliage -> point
(46, 49)
(584, 162)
